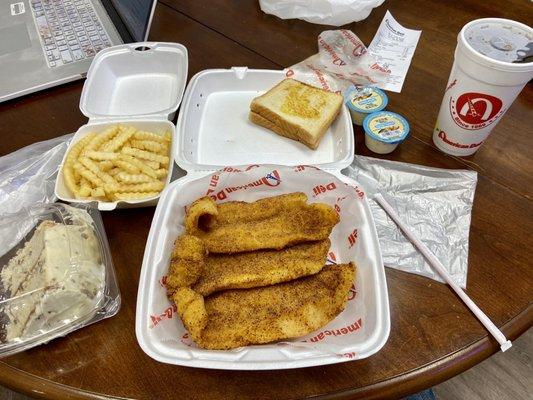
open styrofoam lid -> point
(135, 80)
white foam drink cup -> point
(483, 83)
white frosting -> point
(55, 279)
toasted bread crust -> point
(271, 120)
(265, 123)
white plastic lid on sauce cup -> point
(384, 131)
(362, 101)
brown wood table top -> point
(433, 336)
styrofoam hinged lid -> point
(213, 128)
(135, 80)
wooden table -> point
(433, 336)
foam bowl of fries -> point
(119, 164)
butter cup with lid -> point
(384, 131)
(362, 101)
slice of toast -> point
(265, 123)
(297, 111)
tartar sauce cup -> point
(362, 101)
(384, 131)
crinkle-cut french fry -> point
(143, 135)
(93, 167)
(161, 172)
(77, 147)
(106, 165)
(133, 178)
(152, 164)
(85, 188)
(127, 166)
(101, 155)
(150, 145)
(70, 181)
(139, 187)
(114, 171)
(101, 138)
(167, 136)
(98, 192)
(87, 174)
(134, 195)
(118, 141)
(141, 166)
(145, 155)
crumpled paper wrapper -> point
(342, 60)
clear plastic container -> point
(56, 274)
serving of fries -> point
(120, 163)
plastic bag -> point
(325, 12)
(27, 176)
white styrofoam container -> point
(213, 129)
(212, 132)
(136, 84)
(164, 339)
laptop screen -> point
(135, 14)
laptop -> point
(44, 43)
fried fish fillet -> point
(235, 318)
(270, 223)
(191, 266)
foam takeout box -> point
(213, 134)
(136, 84)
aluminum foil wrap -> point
(435, 203)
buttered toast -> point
(297, 111)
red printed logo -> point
(352, 238)
(352, 293)
(348, 355)
(289, 73)
(474, 111)
(331, 258)
(272, 179)
(323, 188)
(445, 139)
(168, 313)
(355, 326)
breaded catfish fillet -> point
(190, 266)
(235, 318)
(271, 223)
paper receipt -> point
(393, 47)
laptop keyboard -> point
(70, 30)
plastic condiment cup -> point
(384, 131)
(362, 101)
(484, 81)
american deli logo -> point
(334, 56)
(272, 179)
(474, 111)
(359, 48)
(336, 332)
